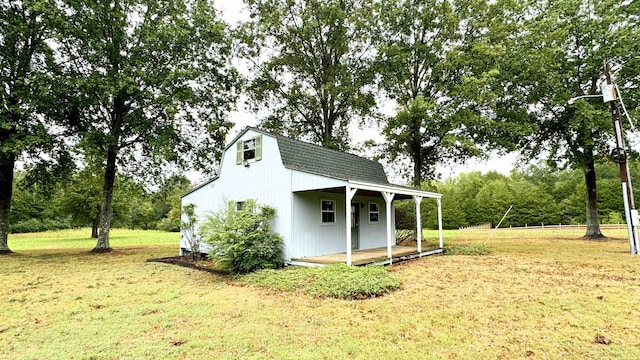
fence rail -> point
(544, 227)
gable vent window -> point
(328, 210)
(249, 150)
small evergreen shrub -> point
(334, 281)
(241, 240)
(351, 282)
(466, 249)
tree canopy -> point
(26, 65)
(312, 66)
(557, 52)
(437, 60)
(147, 83)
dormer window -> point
(249, 150)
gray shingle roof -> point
(302, 156)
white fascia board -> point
(393, 189)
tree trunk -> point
(94, 227)
(416, 152)
(107, 197)
(593, 223)
(7, 162)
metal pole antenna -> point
(619, 155)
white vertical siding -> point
(313, 238)
(301, 181)
(266, 180)
(298, 213)
(372, 235)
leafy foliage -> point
(556, 52)
(242, 240)
(76, 203)
(351, 282)
(466, 249)
(25, 67)
(188, 230)
(436, 61)
(148, 84)
(334, 281)
(539, 195)
(311, 61)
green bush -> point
(466, 249)
(169, 224)
(334, 281)
(242, 241)
(351, 282)
(39, 225)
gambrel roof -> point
(314, 159)
(302, 156)
(306, 157)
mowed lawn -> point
(540, 294)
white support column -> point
(349, 194)
(439, 201)
(418, 199)
(388, 198)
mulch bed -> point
(185, 261)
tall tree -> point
(312, 63)
(82, 197)
(25, 58)
(153, 85)
(435, 60)
(558, 54)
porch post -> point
(417, 200)
(388, 198)
(349, 194)
(439, 201)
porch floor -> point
(368, 256)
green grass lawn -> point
(539, 294)
(81, 239)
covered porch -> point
(378, 244)
(390, 193)
(368, 256)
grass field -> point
(538, 295)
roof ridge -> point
(307, 143)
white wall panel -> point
(266, 181)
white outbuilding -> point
(314, 191)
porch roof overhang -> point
(373, 189)
(402, 192)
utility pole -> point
(619, 155)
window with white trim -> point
(374, 212)
(239, 205)
(328, 211)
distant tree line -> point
(539, 195)
(75, 202)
